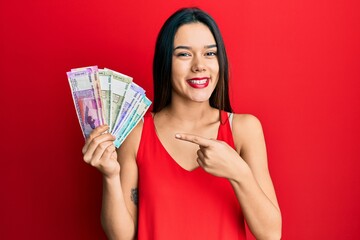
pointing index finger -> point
(204, 142)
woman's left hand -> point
(216, 157)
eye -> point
(211, 54)
(183, 54)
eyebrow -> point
(189, 48)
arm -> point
(247, 171)
(119, 169)
(253, 187)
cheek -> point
(174, 68)
(214, 66)
(215, 71)
(179, 69)
(176, 74)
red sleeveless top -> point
(175, 203)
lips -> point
(198, 82)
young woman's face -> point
(195, 67)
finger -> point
(109, 152)
(114, 155)
(102, 151)
(201, 164)
(96, 141)
(96, 132)
(201, 155)
(88, 154)
(204, 142)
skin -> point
(187, 129)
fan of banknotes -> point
(104, 96)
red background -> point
(294, 64)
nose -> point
(198, 65)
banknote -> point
(105, 96)
(131, 123)
(120, 83)
(93, 73)
(133, 96)
(84, 97)
(105, 93)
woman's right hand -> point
(100, 152)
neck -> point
(192, 113)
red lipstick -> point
(202, 82)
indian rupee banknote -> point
(84, 97)
(105, 96)
(133, 96)
(120, 83)
(141, 109)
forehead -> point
(194, 34)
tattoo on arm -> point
(134, 196)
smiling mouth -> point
(198, 82)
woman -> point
(200, 170)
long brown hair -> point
(163, 59)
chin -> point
(200, 99)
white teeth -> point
(198, 81)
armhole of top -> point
(230, 119)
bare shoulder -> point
(246, 129)
(246, 124)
